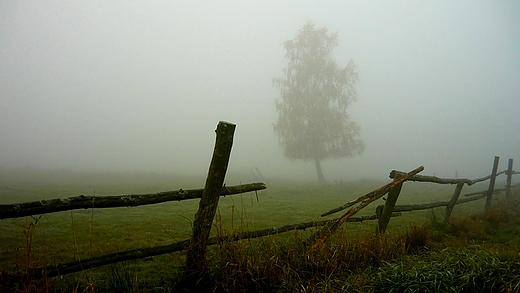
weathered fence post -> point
(491, 184)
(196, 259)
(384, 218)
(509, 178)
(453, 201)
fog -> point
(140, 86)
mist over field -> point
(104, 86)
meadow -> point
(473, 253)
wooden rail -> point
(144, 252)
(46, 206)
(391, 207)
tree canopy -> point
(313, 123)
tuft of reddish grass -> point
(24, 281)
(417, 239)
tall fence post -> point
(384, 218)
(196, 258)
(491, 184)
(453, 201)
(509, 178)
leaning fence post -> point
(491, 184)
(384, 218)
(509, 177)
(196, 259)
(453, 201)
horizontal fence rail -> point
(426, 206)
(495, 190)
(391, 207)
(46, 206)
(144, 252)
(434, 179)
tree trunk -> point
(321, 178)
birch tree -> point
(315, 93)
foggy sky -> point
(141, 86)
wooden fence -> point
(209, 196)
(384, 211)
(213, 189)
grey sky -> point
(140, 86)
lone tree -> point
(313, 123)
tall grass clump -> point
(121, 277)
(282, 263)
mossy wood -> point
(368, 195)
(433, 179)
(85, 202)
(492, 180)
(453, 201)
(322, 235)
(488, 177)
(495, 190)
(509, 178)
(425, 206)
(386, 213)
(196, 257)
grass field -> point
(62, 237)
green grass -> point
(451, 270)
(357, 260)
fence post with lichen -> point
(386, 213)
(453, 201)
(196, 257)
(491, 184)
(509, 178)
